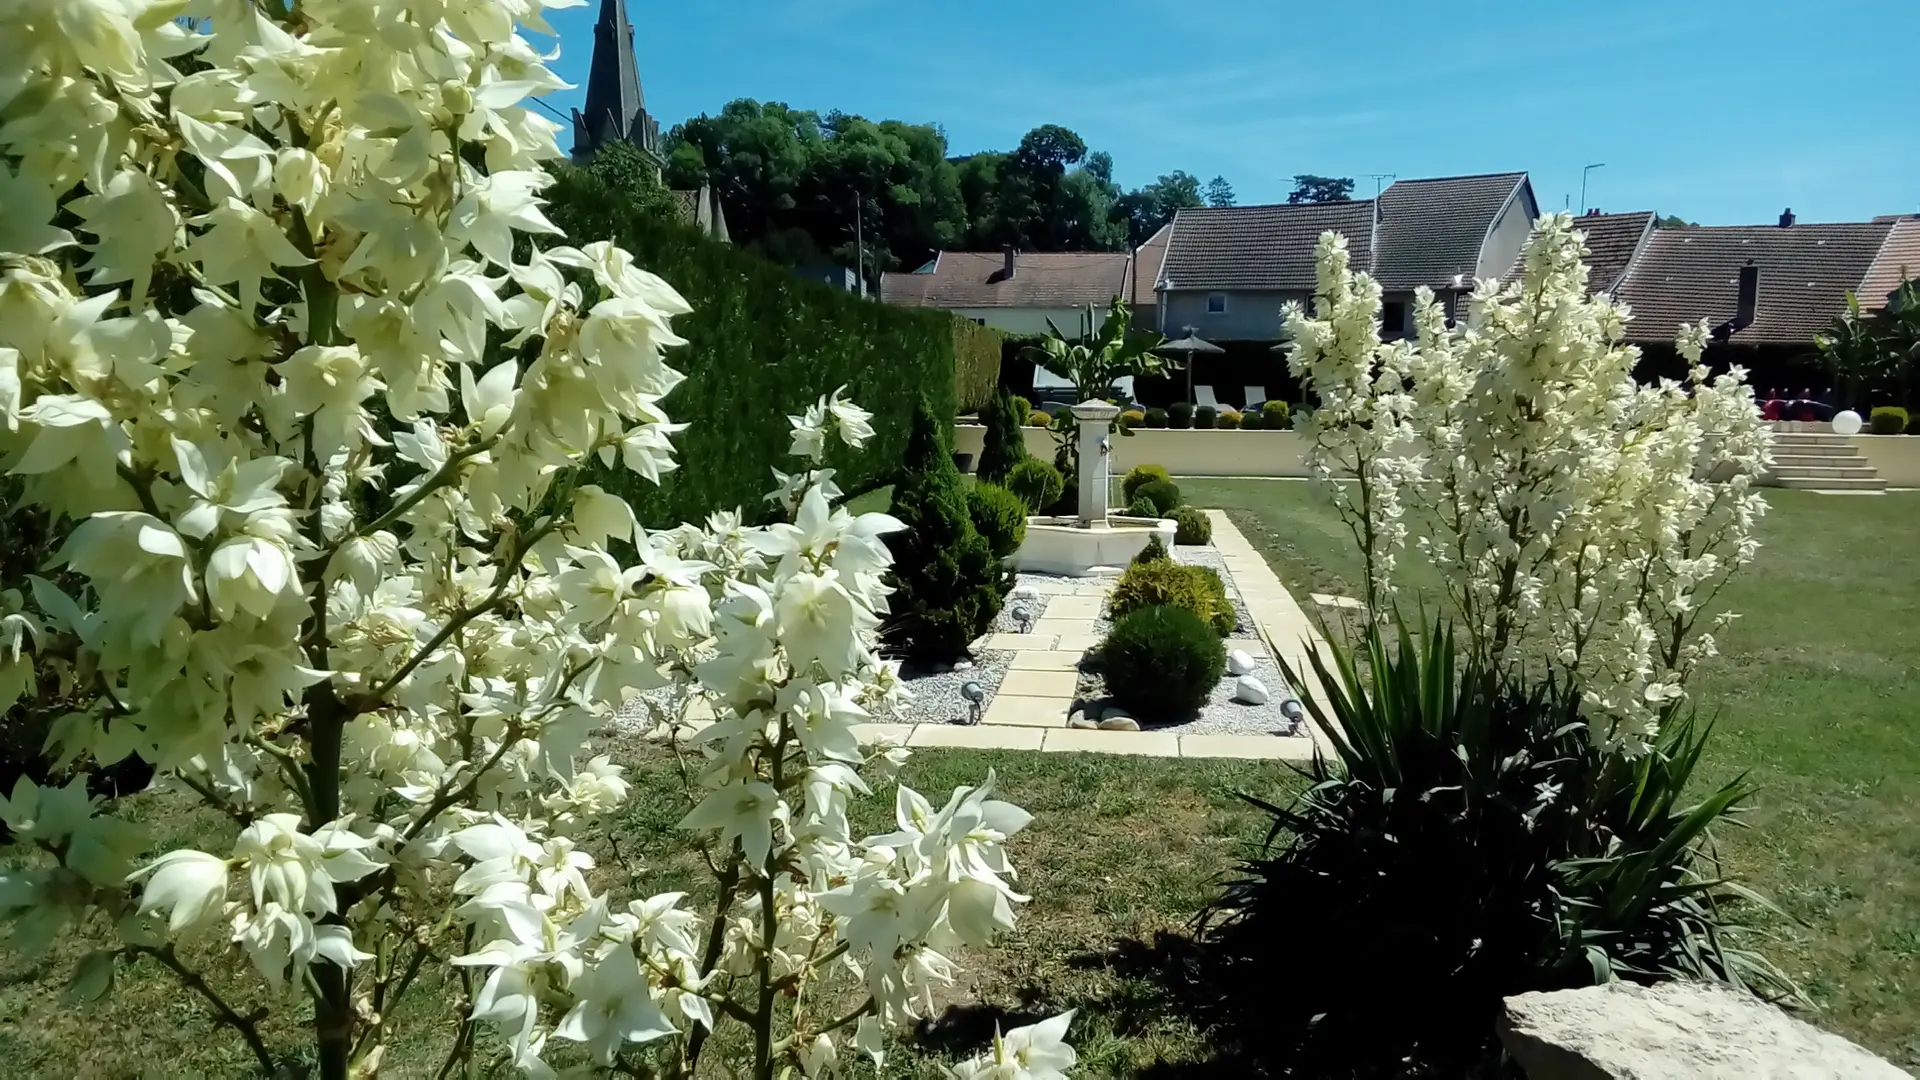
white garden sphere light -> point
(1846, 423)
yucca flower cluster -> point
(1581, 520)
(313, 413)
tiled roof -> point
(1261, 247)
(1041, 279)
(1685, 275)
(1612, 240)
(1431, 231)
(1147, 262)
(1899, 260)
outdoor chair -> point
(1256, 397)
(1203, 395)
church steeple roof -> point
(616, 108)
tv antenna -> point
(1377, 177)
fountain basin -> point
(1061, 545)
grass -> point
(1815, 698)
(1121, 850)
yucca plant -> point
(1469, 839)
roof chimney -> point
(1007, 273)
(1746, 306)
(1786, 218)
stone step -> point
(1786, 438)
(1864, 484)
(1820, 460)
(1828, 472)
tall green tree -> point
(1220, 192)
(1309, 188)
(1152, 206)
(948, 585)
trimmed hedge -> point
(1161, 663)
(1164, 494)
(1276, 416)
(1180, 415)
(1888, 420)
(1037, 483)
(761, 344)
(1140, 476)
(1000, 516)
(1159, 582)
(1194, 526)
(976, 364)
(1204, 417)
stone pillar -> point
(1096, 455)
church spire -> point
(616, 109)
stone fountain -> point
(1094, 542)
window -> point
(1216, 303)
(1393, 318)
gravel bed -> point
(936, 694)
(1221, 715)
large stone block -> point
(1674, 1031)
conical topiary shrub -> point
(948, 584)
(1005, 446)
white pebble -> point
(1079, 720)
(1249, 690)
(1239, 663)
(1119, 723)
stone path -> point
(1030, 710)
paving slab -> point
(1073, 607)
(1129, 743)
(1062, 627)
(1048, 660)
(979, 737)
(1028, 711)
(1247, 747)
(1018, 642)
(1051, 684)
(1077, 644)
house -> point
(1017, 292)
(1229, 271)
(1149, 260)
(616, 111)
(1612, 242)
(1803, 274)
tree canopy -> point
(799, 187)
(1309, 188)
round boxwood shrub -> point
(1156, 418)
(1180, 415)
(1138, 477)
(1163, 582)
(1204, 417)
(1195, 526)
(1037, 418)
(1161, 663)
(1143, 508)
(1131, 419)
(1164, 494)
(1000, 516)
(1228, 420)
(1251, 420)
(1037, 483)
(1155, 551)
(1276, 416)
(1021, 406)
(1888, 420)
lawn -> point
(1812, 699)
(1817, 697)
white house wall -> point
(1250, 316)
(1507, 238)
(1012, 320)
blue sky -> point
(1723, 111)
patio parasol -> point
(1186, 348)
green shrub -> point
(1155, 551)
(1138, 477)
(1161, 663)
(1251, 420)
(976, 365)
(1228, 420)
(1276, 416)
(1156, 418)
(1888, 420)
(1037, 483)
(1143, 508)
(1039, 418)
(1022, 406)
(1180, 415)
(1205, 418)
(1000, 516)
(1913, 424)
(1195, 526)
(1003, 446)
(948, 585)
(1164, 494)
(1475, 840)
(1162, 582)
(761, 343)
(1132, 418)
